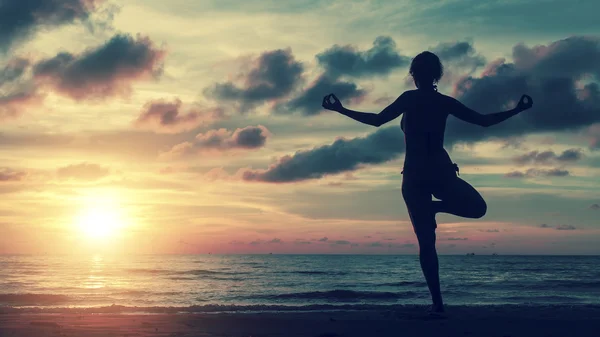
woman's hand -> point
(524, 103)
(335, 106)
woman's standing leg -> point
(418, 201)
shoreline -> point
(501, 321)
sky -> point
(153, 127)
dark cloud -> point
(273, 75)
(167, 116)
(7, 174)
(309, 102)
(531, 173)
(595, 207)
(83, 171)
(341, 242)
(343, 155)
(376, 244)
(302, 242)
(16, 92)
(549, 157)
(379, 60)
(544, 226)
(489, 230)
(324, 239)
(339, 61)
(23, 18)
(565, 227)
(104, 71)
(13, 70)
(551, 74)
(457, 239)
(248, 138)
(276, 240)
(593, 134)
(459, 54)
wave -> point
(544, 298)
(401, 284)
(175, 274)
(220, 308)
(33, 299)
(313, 272)
(343, 295)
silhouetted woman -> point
(428, 169)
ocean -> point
(215, 283)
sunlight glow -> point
(100, 218)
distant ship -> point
(494, 254)
(470, 254)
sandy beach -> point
(500, 321)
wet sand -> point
(501, 321)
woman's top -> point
(424, 124)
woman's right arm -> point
(460, 111)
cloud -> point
(532, 173)
(341, 242)
(14, 70)
(167, 116)
(309, 102)
(559, 227)
(343, 155)
(593, 134)
(549, 157)
(380, 60)
(457, 239)
(14, 104)
(565, 227)
(302, 242)
(339, 61)
(273, 75)
(22, 19)
(7, 175)
(324, 239)
(236, 242)
(459, 54)
(83, 171)
(595, 207)
(276, 240)
(376, 244)
(551, 74)
(248, 138)
(16, 93)
(107, 70)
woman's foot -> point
(436, 311)
(437, 308)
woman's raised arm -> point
(460, 111)
(391, 112)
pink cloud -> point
(167, 116)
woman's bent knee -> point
(481, 210)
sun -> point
(100, 221)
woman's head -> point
(426, 69)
